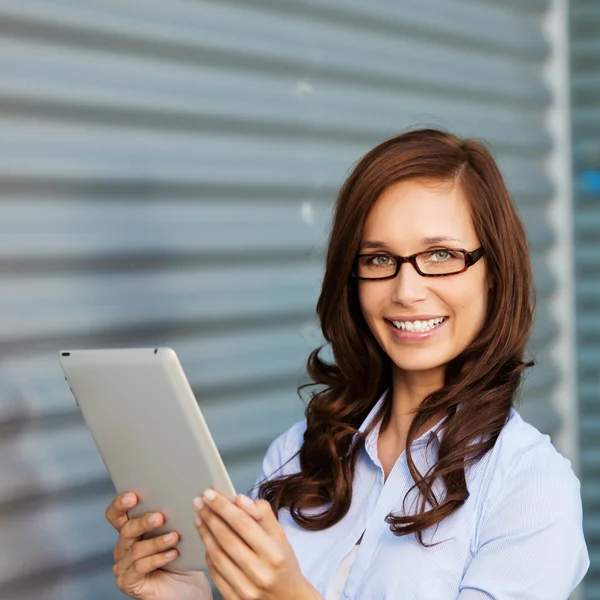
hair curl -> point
(483, 379)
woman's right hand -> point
(139, 563)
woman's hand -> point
(247, 552)
(138, 563)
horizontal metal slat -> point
(589, 395)
(586, 260)
(585, 89)
(590, 460)
(89, 535)
(96, 585)
(585, 120)
(587, 226)
(585, 10)
(332, 110)
(538, 380)
(38, 462)
(537, 6)
(347, 51)
(96, 302)
(592, 530)
(587, 294)
(464, 22)
(590, 426)
(540, 233)
(592, 578)
(590, 496)
(583, 51)
(589, 359)
(588, 325)
(164, 227)
(585, 157)
(117, 154)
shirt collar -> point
(374, 434)
(372, 414)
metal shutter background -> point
(585, 98)
(167, 171)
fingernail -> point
(209, 494)
(245, 501)
(127, 499)
(168, 537)
(153, 519)
(197, 520)
(170, 554)
(198, 503)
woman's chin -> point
(421, 363)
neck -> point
(410, 388)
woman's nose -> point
(409, 286)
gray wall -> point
(585, 98)
(167, 171)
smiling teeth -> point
(418, 326)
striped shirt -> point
(518, 536)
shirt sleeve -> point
(530, 543)
(279, 457)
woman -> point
(426, 305)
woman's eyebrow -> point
(437, 239)
(428, 241)
(373, 244)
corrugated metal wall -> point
(585, 99)
(167, 170)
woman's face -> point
(405, 215)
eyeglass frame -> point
(471, 257)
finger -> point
(141, 568)
(116, 513)
(132, 531)
(226, 590)
(229, 542)
(262, 513)
(146, 548)
(237, 519)
(220, 565)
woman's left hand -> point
(247, 552)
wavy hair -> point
(483, 379)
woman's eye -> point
(441, 255)
(381, 261)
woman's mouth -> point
(416, 329)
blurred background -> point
(167, 172)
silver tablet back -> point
(151, 435)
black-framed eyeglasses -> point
(429, 263)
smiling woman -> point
(427, 306)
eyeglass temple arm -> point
(474, 256)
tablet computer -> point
(151, 434)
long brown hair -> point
(483, 379)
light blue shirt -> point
(518, 536)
